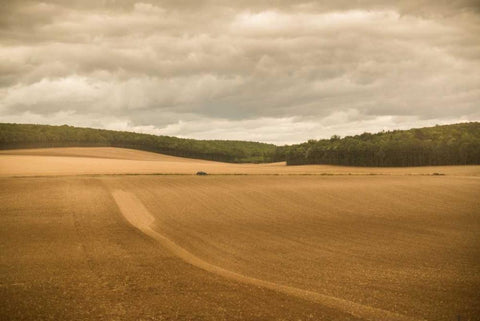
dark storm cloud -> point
(284, 71)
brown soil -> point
(88, 161)
(250, 247)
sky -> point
(273, 71)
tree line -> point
(36, 136)
(457, 144)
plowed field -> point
(81, 240)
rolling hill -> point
(457, 144)
(85, 234)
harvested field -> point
(400, 245)
(91, 161)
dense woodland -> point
(34, 136)
(457, 144)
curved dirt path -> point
(137, 215)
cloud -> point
(282, 73)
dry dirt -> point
(91, 161)
(76, 244)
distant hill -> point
(13, 136)
(457, 144)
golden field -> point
(111, 161)
(82, 240)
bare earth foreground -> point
(104, 234)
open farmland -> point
(81, 240)
(111, 161)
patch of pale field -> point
(103, 160)
(250, 247)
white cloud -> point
(283, 73)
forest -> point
(457, 144)
(36, 136)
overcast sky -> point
(281, 72)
